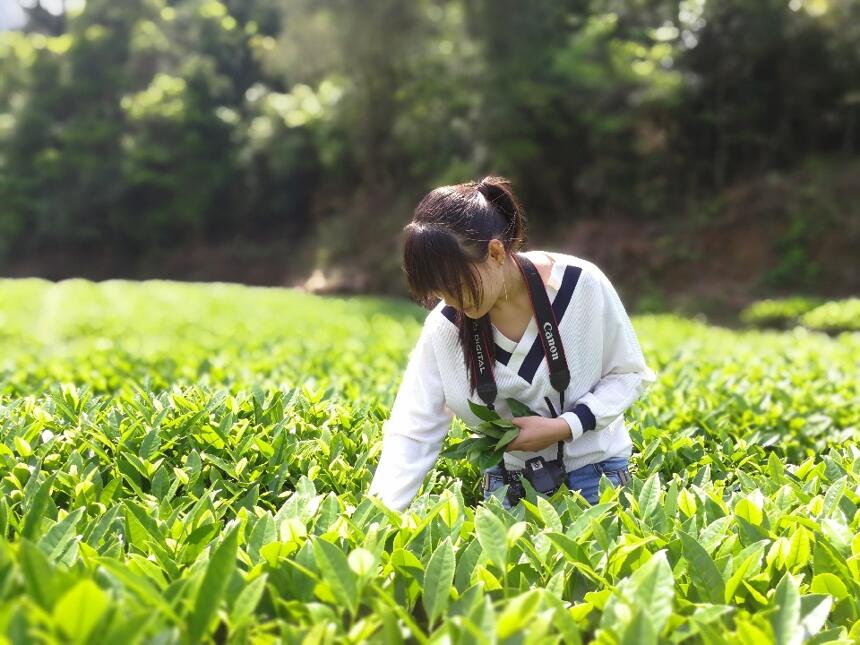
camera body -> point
(545, 477)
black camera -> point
(545, 476)
(515, 489)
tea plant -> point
(488, 441)
(780, 313)
(832, 317)
(189, 463)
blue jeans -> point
(585, 479)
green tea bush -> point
(834, 317)
(186, 463)
(779, 313)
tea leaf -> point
(438, 577)
(219, 569)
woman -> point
(463, 246)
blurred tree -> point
(765, 89)
(39, 19)
(154, 123)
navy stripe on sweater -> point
(559, 305)
(535, 354)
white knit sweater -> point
(607, 374)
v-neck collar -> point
(518, 349)
(524, 358)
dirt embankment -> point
(769, 236)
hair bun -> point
(497, 191)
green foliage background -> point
(188, 462)
(145, 125)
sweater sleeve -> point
(625, 374)
(412, 436)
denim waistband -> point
(613, 463)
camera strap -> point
(547, 332)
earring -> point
(504, 282)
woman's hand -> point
(536, 433)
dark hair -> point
(451, 228)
